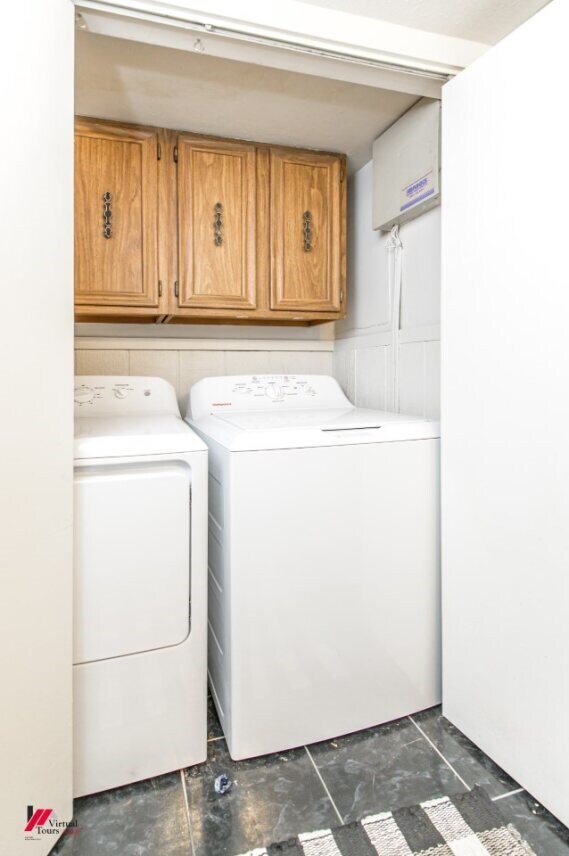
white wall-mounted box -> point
(406, 166)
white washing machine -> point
(324, 601)
(140, 607)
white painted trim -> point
(292, 23)
(181, 36)
(379, 336)
(36, 545)
(379, 339)
(426, 333)
(292, 35)
(359, 332)
(94, 343)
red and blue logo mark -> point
(37, 818)
(43, 821)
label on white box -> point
(417, 191)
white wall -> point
(505, 454)
(365, 363)
(36, 427)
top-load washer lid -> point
(292, 411)
(129, 416)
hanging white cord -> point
(395, 275)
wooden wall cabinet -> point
(216, 224)
(306, 231)
(116, 219)
(199, 229)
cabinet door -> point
(216, 221)
(116, 192)
(306, 231)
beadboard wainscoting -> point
(387, 351)
(182, 362)
(365, 369)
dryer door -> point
(132, 558)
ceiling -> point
(485, 21)
(135, 82)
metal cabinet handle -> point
(218, 224)
(107, 215)
(307, 231)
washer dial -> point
(273, 391)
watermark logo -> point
(37, 817)
(43, 821)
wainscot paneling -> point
(183, 362)
(376, 367)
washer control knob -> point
(83, 395)
(273, 391)
(119, 392)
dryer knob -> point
(83, 395)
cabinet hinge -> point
(158, 152)
(159, 288)
(341, 295)
(175, 153)
(176, 289)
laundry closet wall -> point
(375, 368)
(360, 351)
(185, 354)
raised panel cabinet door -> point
(306, 231)
(116, 222)
(216, 222)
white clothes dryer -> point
(140, 584)
(324, 600)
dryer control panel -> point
(100, 395)
(264, 392)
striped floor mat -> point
(468, 824)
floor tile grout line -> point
(324, 785)
(438, 751)
(187, 807)
(509, 794)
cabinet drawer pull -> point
(107, 215)
(218, 224)
(307, 231)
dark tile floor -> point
(276, 797)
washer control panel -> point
(97, 395)
(264, 392)
(274, 387)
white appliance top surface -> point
(325, 420)
(292, 411)
(128, 416)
